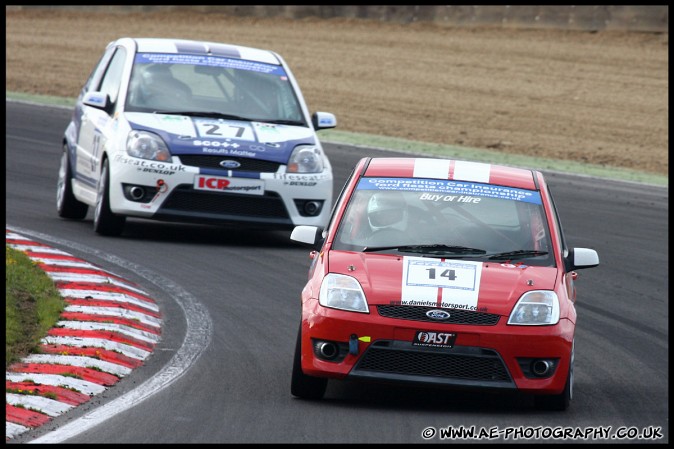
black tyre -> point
(559, 402)
(67, 206)
(301, 385)
(105, 222)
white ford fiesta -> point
(191, 131)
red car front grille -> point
(456, 316)
(463, 364)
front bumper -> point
(168, 192)
(494, 356)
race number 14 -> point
(449, 274)
(423, 272)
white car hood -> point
(202, 135)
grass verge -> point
(32, 305)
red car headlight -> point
(536, 308)
(342, 292)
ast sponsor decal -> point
(434, 339)
(232, 185)
(449, 284)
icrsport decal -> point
(233, 185)
(448, 284)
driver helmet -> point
(157, 79)
(387, 210)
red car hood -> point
(491, 287)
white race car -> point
(190, 131)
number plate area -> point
(231, 185)
(434, 339)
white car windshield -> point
(469, 220)
(232, 88)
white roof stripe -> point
(159, 45)
(45, 405)
(255, 54)
(116, 312)
(431, 168)
(81, 361)
(122, 329)
(128, 350)
(471, 171)
(156, 46)
(56, 380)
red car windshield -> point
(479, 220)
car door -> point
(93, 120)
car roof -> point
(456, 170)
(186, 46)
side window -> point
(113, 75)
(94, 78)
(340, 198)
(565, 249)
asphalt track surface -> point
(230, 305)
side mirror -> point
(582, 258)
(97, 100)
(308, 235)
(323, 120)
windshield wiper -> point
(518, 254)
(284, 122)
(206, 114)
(435, 249)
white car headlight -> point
(342, 292)
(536, 308)
(146, 145)
(305, 159)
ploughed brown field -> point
(600, 98)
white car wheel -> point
(301, 385)
(67, 206)
(105, 222)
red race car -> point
(441, 272)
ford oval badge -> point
(437, 314)
(229, 164)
